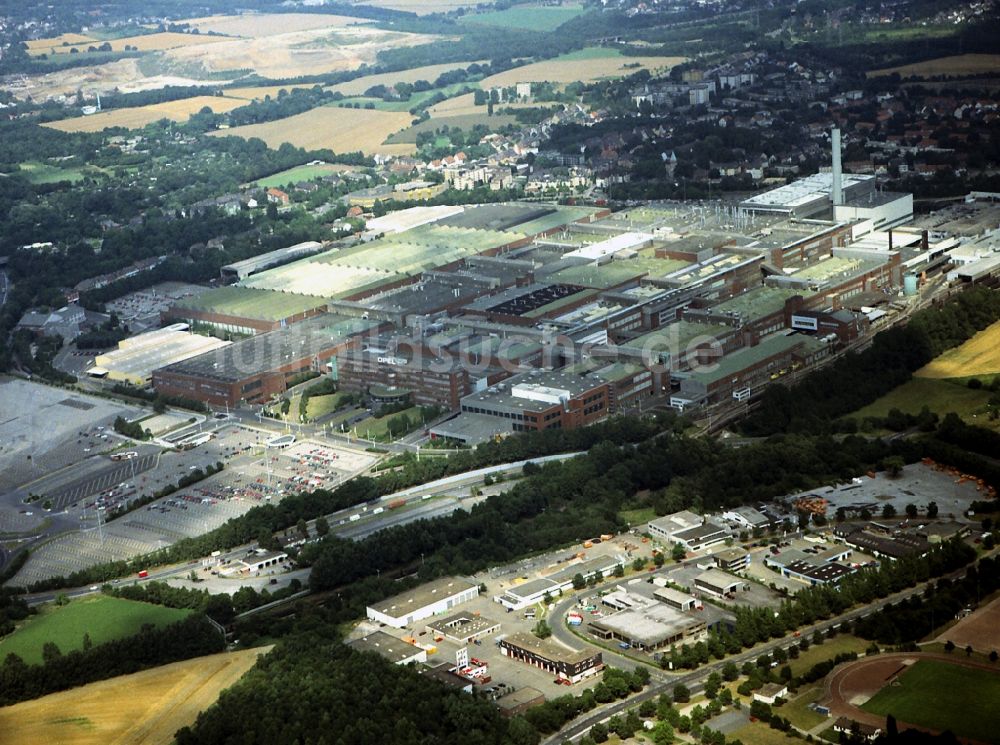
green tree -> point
(712, 685)
(678, 552)
(619, 570)
(681, 693)
(542, 629)
(911, 511)
(578, 581)
(50, 651)
(302, 527)
(888, 511)
(322, 526)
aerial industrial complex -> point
(518, 317)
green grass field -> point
(322, 405)
(532, 18)
(827, 650)
(377, 428)
(941, 396)
(758, 733)
(300, 173)
(43, 173)
(638, 516)
(104, 618)
(797, 710)
(942, 696)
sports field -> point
(942, 696)
(980, 355)
(534, 18)
(600, 63)
(140, 116)
(145, 708)
(340, 130)
(103, 617)
(962, 64)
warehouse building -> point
(552, 657)
(718, 583)
(664, 528)
(648, 625)
(464, 628)
(529, 593)
(422, 602)
(242, 269)
(747, 517)
(676, 599)
(819, 566)
(810, 196)
(245, 310)
(395, 650)
(253, 370)
(135, 358)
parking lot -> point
(141, 310)
(254, 474)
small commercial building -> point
(664, 528)
(819, 566)
(701, 536)
(395, 650)
(431, 599)
(732, 559)
(747, 518)
(770, 692)
(519, 701)
(464, 628)
(552, 657)
(264, 560)
(718, 583)
(853, 728)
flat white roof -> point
(803, 190)
(620, 242)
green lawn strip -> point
(827, 651)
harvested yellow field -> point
(150, 42)
(54, 44)
(145, 708)
(584, 69)
(980, 355)
(256, 25)
(340, 130)
(139, 116)
(963, 64)
(429, 73)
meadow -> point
(102, 617)
(307, 172)
(463, 122)
(940, 396)
(980, 355)
(44, 173)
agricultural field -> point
(430, 73)
(43, 173)
(144, 708)
(139, 116)
(941, 696)
(464, 122)
(307, 172)
(103, 617)
(601, 63)
(940, 396)
(146, 42)
(256, 25)
(55, 44)
(980, 355)
(341, 130)
(963, 64)
(533, 18)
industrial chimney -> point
(837, 192)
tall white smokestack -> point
(837, 193)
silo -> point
(910, 285)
